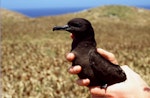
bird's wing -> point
(106, 71)
(98, 63)
(98, 60)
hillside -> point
(33, 56)
(11, 15)
(112, 15)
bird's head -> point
(79, 27)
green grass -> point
(33, 56)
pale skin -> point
(133, 87)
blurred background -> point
(38, 8)
(33, 56)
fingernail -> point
(77, 69)
(72, 36)
(70, 56)
(83, 82)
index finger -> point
(108, 55)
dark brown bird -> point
(99, 70)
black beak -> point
(66, 27)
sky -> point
(35, 4)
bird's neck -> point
(87, 41)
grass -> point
(33, 57)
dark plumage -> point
(99, 70)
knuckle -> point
(112, 56)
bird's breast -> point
(81, 52)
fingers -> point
(97, 92)
(77, 69)
(70, 57)
(74, 69)
(83, 82)
(108, 55)
(71, 35)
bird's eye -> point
(76, 24)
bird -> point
(95, 67)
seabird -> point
(95, 67)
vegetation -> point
(33, 56)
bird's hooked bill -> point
(66, 27)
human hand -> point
(133, 87)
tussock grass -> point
(33, 57)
